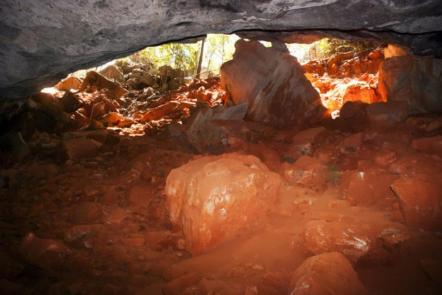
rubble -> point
(216, 197)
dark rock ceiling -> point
(41, 41)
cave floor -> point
(100, 225)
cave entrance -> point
(228, 165)
(190, 72)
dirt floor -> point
(100, 225)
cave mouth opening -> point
(339, 70)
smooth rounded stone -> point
(214, 198)
(328, 273)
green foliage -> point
(176, 55)
(218, 49)
(326, 47)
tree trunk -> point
(200, 61)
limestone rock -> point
(328, 273)
(273, 83)
(214, 198)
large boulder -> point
(214, 198)
(328, 273)
(421, 200)
(273, 83)
(414, 80)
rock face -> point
(414, 80)
(328, 273)
(213, 198)
(46, 40)
(273, 83)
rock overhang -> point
(42, 42)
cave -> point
(221, 147)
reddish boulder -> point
(213, 198)
(273, 83)
(328, 273)
(367, 187)
(421, 201)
